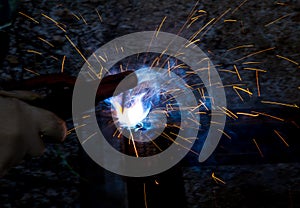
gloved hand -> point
(23, 127)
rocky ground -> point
(264, 185)
(259, 38)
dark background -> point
(62, 177)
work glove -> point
(24, 127)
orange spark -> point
(281, 3)
(97, 59)
(145, 196)
(119, 135)
(268, 115)
(227, 70)
(196, 122)
(78, 51)
(201, 10)
(86, 116)
(214, 122)
(160, 26)
(70, 130)
(33, 51)
(255, 69)
(217, 20)
(203, 113)
(57, 24)
(255, 53)
(45, 41)
(287, 59)
(208, 73)
(83, 19)
(31, 71)
(191, 14)
(185, 139)
(115, 133)
(277, 103)
(176, 126)
(251, 62)
(281, 137)
(242, 89)
(247, 114)
(100, 18)
(239, 6)
(223, 132)
(230, 20)
(88, 138)
(194, 19)
(230, 112)
(54, 58)
(133, 143)
(258, 148)
(295, 124)
(198, 106)
(168, 137)
(238, 94)
(216, 179)
(234, 84)
(200, 30)
(49, 18)
(103, 59)
(280, 18)
(257, 83)
(31, 18)
(60, 27)
(86, 61)
(172, 140)
(75, 16)
(154, 143)
(241, 46)
(155, 62)
(63, 64)
(237, 72)
(193, 42)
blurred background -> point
(254, 46)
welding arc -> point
(135, 43)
